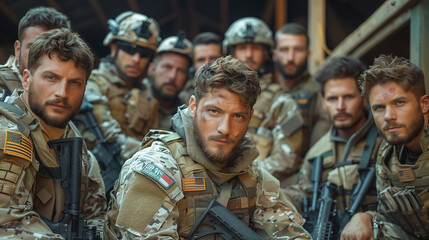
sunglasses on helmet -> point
(133, 49)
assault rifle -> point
(324, 226)
(226, 224)
(107, 152)
(359, 194)
(72, 225)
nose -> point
(172, 74)
(136, 57)
(389, 114)
(61, 90)
(249, 52)
(341, 106)
(290, 55)
(224, 126)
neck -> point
(348, 133)
(414, 145)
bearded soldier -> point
(395, 90)
(165, 188)
(276, 124)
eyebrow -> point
(216, 107)
(59, 76)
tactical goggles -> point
(133, 49)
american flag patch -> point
(194, 184)
(406, 175)
(157, 174)
(17, 144)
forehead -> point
(173, 58)
(341, 86)
(291, 40)
(32, 32)
(224, 99)
(204, 49)
(56, 65)
(387, 92)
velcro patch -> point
(406, 175)
(157, 174)
(17, 144)
(194, 184)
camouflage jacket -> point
(306, 93)
(115, 110)
(276, 129)
(403, 192)
(150, 198)
(341, 159)
(26, 192)
(10, 78)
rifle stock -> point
(226, 224)
(324, 227)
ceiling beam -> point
(100, 13)
(9, 13)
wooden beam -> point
(9, 13)
(316, 32)
(385, 14)
(267, 14)
(100, 13)
(192, 15)
(55, 5)
(419, 39)
(281, 13)
(134, 6)
(224, 15)
(382, 34)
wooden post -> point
(316, 32)
(419, 39)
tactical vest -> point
(45, 177)
(135, 110)
(306, 102)
(199, 189)
(406, 199)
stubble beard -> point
(298, 72)
(416, 127)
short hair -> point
(339, 67)
(231, 74)
(45, 17)
(387, 68)
(206, 38)
(293, 29)
(65, 45)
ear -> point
(424, 103)
(324, 103)
(113, 47)
(150, 69)
(192, 106)
(17, 47)
(26, 79)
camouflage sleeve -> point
(109, 126)
(17, 219)
(322, 123)
(295, 193)
(94, 206)
(144, 201)
(275, 217)
(285, 123)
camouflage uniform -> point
(151, 202)
(341, 166)
(306, 93)
(276, 125)
(403, 192)
(28, 192)
(10, 77)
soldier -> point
(206, 47)
(395, 90)
(346, 151)
(276, 124)
(169, 183)
(290, 59)
(54, 83)
(168, 74)
(35, 22)
(115, 89)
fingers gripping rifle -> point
(107, 152)
(226, 224)
(72, 225)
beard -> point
(347, 126)
(220, 156)
(158, 90)
(300, 69)
(416, 126)
(39, 109)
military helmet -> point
(177, 44)
(134, 28)
(247, 30)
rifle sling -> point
(225, 194)
(369, 146)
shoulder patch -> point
(157, 174)
(17, 144)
